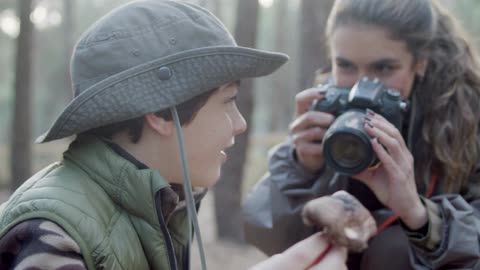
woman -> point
(425, 193)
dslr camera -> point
(346, 144)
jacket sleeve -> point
(272, 211)
(459, 242)
(39, 244)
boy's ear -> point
(160, 125)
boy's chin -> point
(206, 182)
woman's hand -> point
(308, 129)
(303, 254)
(393, 181)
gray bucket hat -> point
(150, 55)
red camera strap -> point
(392, 219)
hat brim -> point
(140, 90)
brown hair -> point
(186, 113)
(451, 85)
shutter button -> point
(164, 73)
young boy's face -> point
(211, 132)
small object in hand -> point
(344, 220)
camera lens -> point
(348, 150)
(347, 147)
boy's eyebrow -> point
(237, 83)
(229, 84)
(232, 83)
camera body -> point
(347, 146)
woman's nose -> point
(365, 74)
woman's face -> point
(365, 51)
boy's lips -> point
(223, 152)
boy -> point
(115, 200)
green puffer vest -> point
(107, 205)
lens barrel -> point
(347, 148)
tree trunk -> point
(227, 192)
(281, 80)
(21, 151)
(313, 53)
(69, 42)
(203, 3)
(217, 8)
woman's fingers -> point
(396, 151)
(311, 119)
(308, 129)
(314, 134)
(383, 124)
(387, 161)
(309, 149)
(304, 100)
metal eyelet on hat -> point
(164, 73)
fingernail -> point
(367, 119)
(375, 140)
(369, 124)
(370, 112)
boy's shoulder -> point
(58, 190)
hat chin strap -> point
(191, 210)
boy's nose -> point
(240, 125)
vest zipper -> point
(168, 241)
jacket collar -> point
(130, 183)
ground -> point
(221, 255)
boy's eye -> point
(232, 99)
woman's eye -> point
(343, 65)
(384, 69)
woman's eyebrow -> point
(343, 60)
(384, 61)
